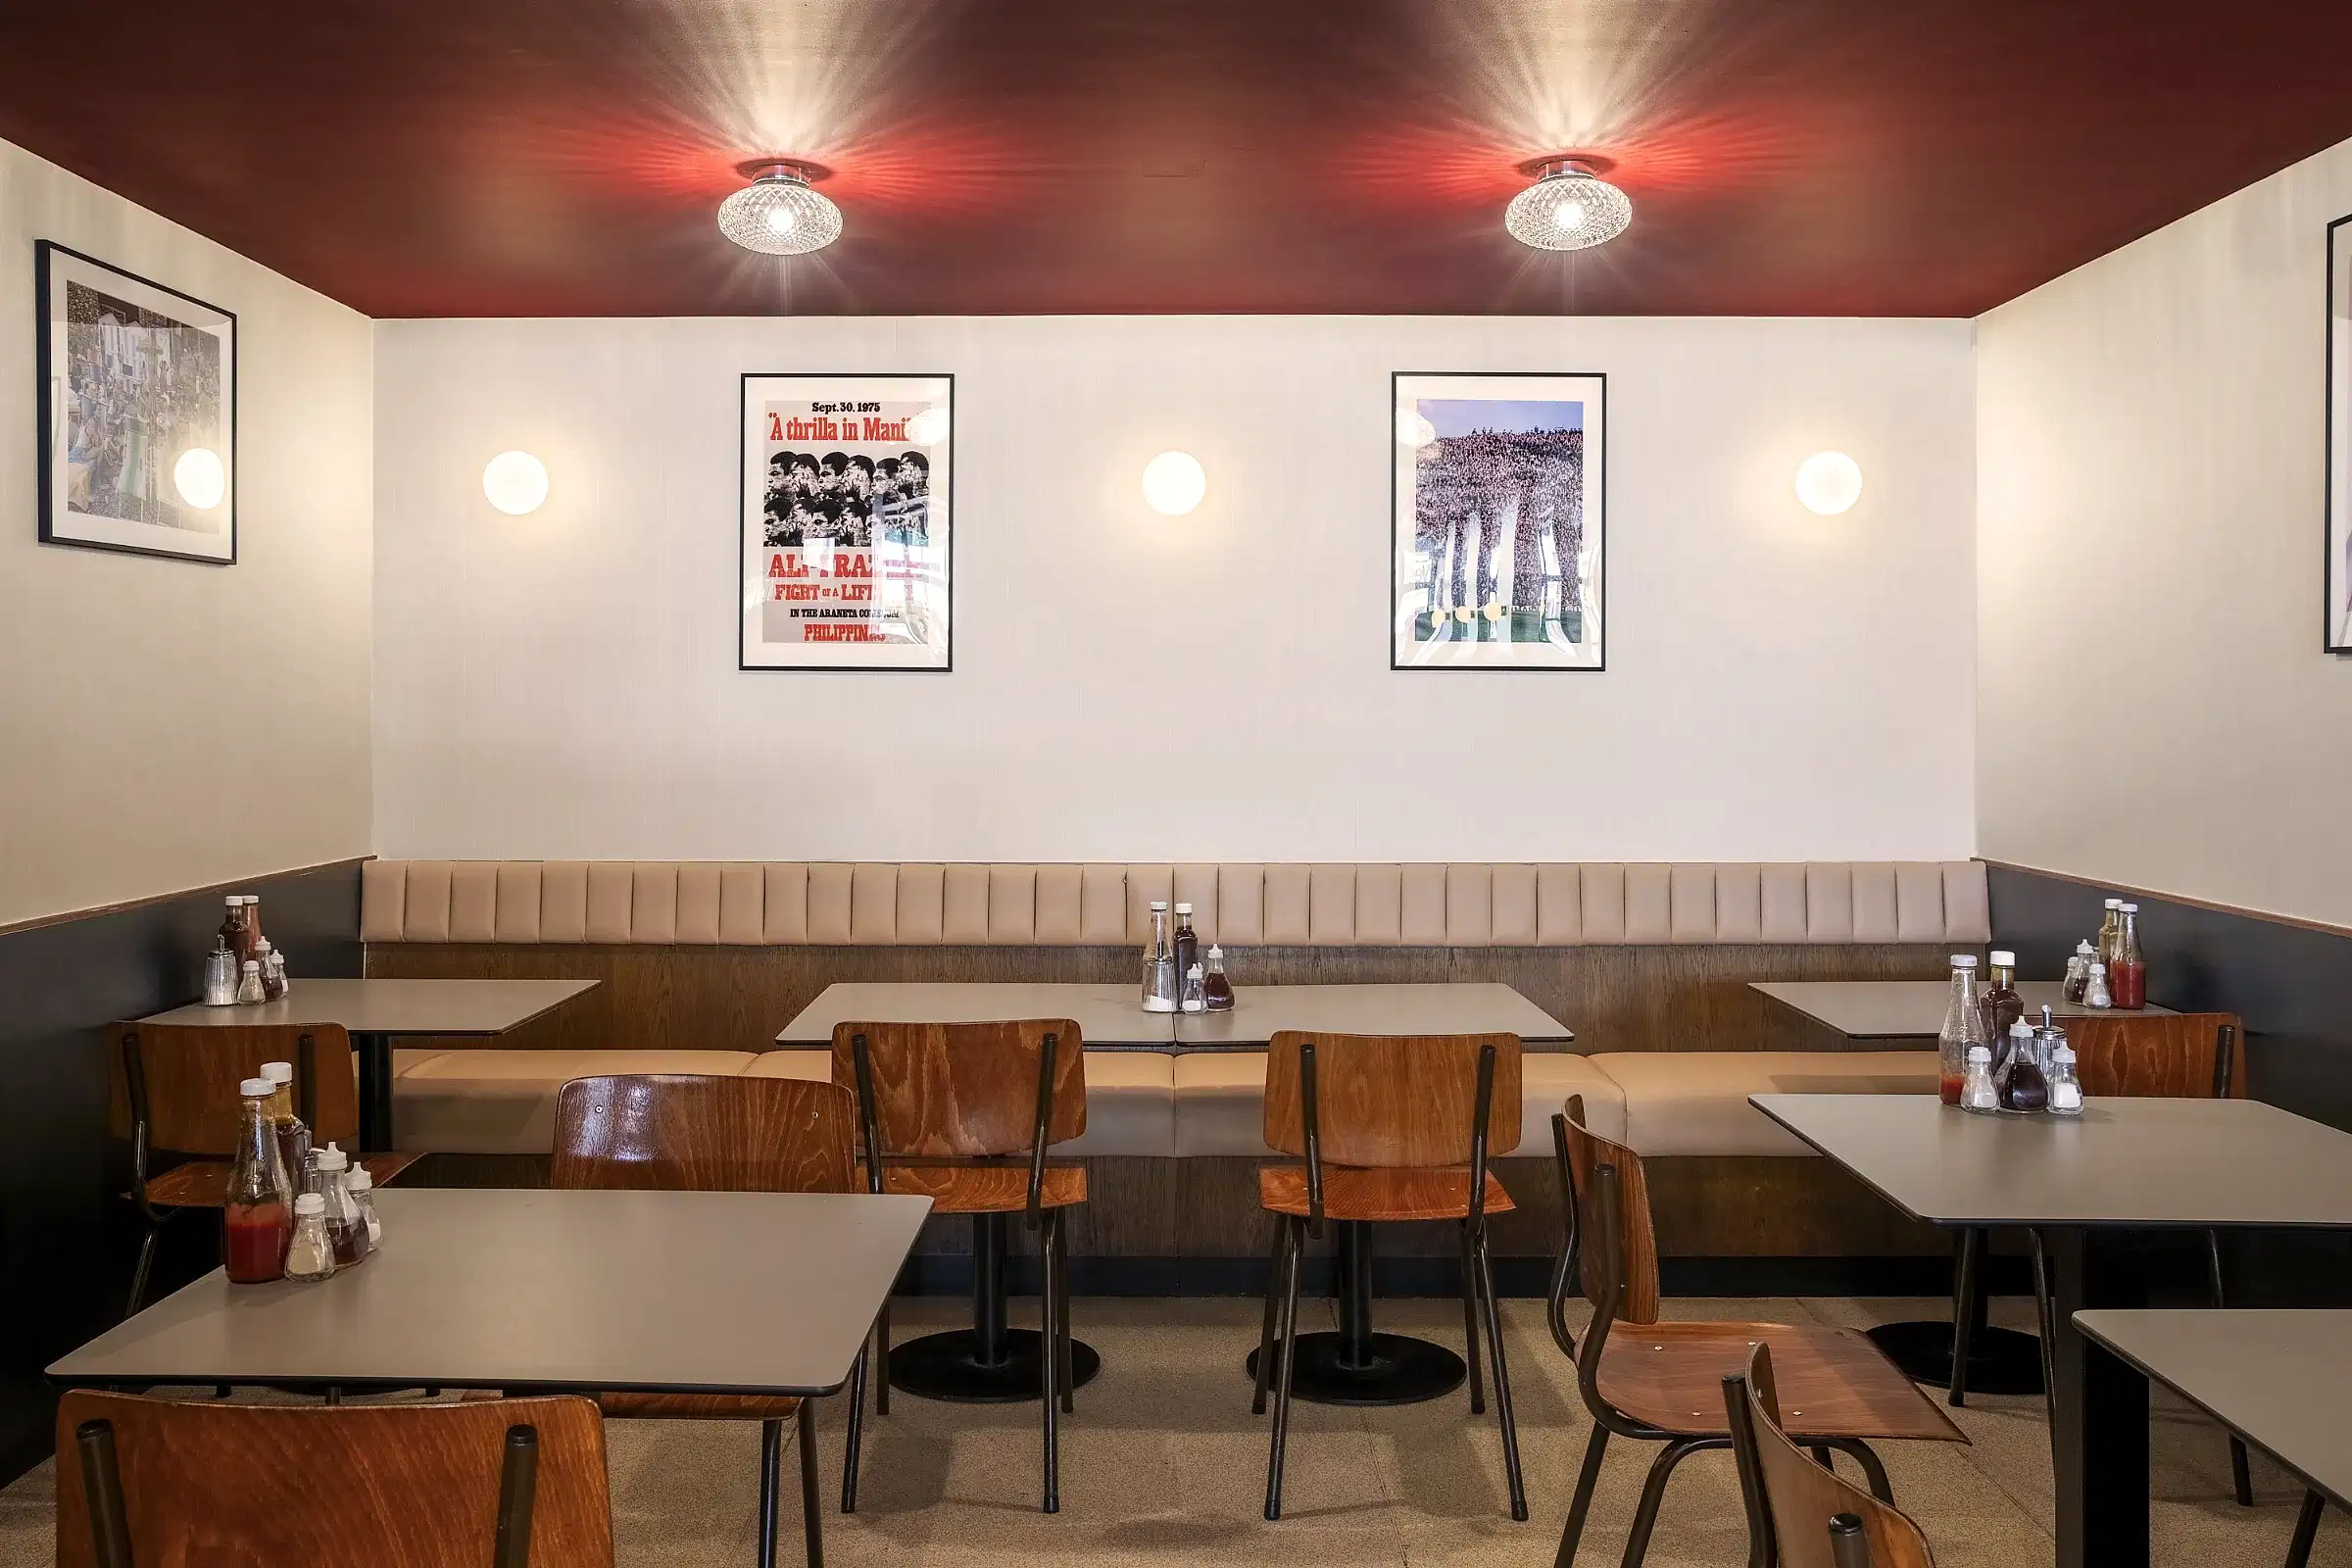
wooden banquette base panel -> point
(1615, 997)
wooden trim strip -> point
(217, 890)
(2123, 890)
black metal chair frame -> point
(1290, 1233)
(142, 1157)
(1607, 1419)
(110, 1519)
(1054, 1305)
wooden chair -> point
(174, 1091)
(1661, 1382)
(1813, 1516)
(2191, 1055)
(943, 1110)
(1407, 1125)
(504, 1481)
(672, 1132)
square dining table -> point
(376, 1011)
(547, 1292)
(2084, 1183)
(1910, 1010)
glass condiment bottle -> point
(1963, 1027)
(2024, 1087)
(2001, 1006)
(2111, 926)
(256, 1219)
(1187, 943)
(276, 967)
(1194, 997)
(221, 978)
(346, 1226)
(2127, 971)
(2095, 988)
(273, 972)
(2066, 1084)
(253, 926)
(362, 1188)
(1216, 991)
(293, 1137)
(1159, 964)
(2078, 972)
(1977, 1093)
(249, 983)
(233, 926)
(311, 1256)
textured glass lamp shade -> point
(1569, 209)
(778, 213)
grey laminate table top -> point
(1105, 1015)
(386, 1007)
(2276, 1378)
(719, 1292)
(1899, 1009)
(1111, 1015)
(2123, 1162)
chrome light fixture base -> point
(780, 213)
(1569, 207)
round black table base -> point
(948, 1366)
(1999, 1360)
(1401, 1370)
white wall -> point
(2150, 517)
(118, 777)
(1779, 686)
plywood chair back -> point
(679, 1132)
(502, 1481)
(1613, 1246)
(2155, 1056)
(177, 1084)
(1390, 1102)
(1810, 1512)
(964, 1090)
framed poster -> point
(1499, 523)
(2336, 569)
(138, 412)
(849, 540)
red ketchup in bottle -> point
(254, 1239)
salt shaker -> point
(1977, 1093)
(221, 978)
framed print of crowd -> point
(2336, 569)
(848, 528)
(138, 393)
(1500, 523)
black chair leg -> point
(772, 1481)
(1266, 1334)
(854, 1451)
(812, 1517)
(1654, 1494)
(146, 1266)
(1964, 1311)
(1502, 1376)
(1061, 1316)
(1288, 1334)
(1581, 1509)
(1049, 1364)
(882, 1360)
(2307, 1530)
(1872, 1469)
(1478, 1395)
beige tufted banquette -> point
(751, 903)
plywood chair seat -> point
(1350, 1193)
(623, 1407)
(1834, 1383)
(204, 1182)
(983, 1189)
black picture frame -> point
(48, 399)
(2335, 483)
(1594, 503)
(744, 515)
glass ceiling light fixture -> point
(1569, 207)
(779, 213)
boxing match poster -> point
(847, 532)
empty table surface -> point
(2123, 1162)
(1899, 1009)
(1436, 1008)
(1105, 1015)
(718, 1292)
(397, 1006)
(2276, 1378)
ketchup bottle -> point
(257, 1217)
(2127, 971)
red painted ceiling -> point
(565, 157)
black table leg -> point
(988, 1364)
(1999, 1360)
(2099, 1419)
(375, 1092)
(1356, 1365)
